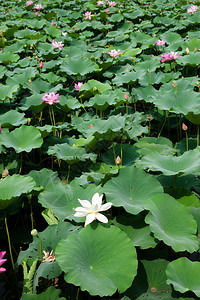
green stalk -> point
(9, 243)
(197, 135)
(68, 174)
(162, 126)
(41, 257)
(186, 140)
(114, 155)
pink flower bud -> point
(41, 64)
(107, 10)
(127, 70)
(118, 160)
(184, 127)
(52, 23)
(126, 97)
(36, 13)
(0, 129)
(195, 49)
(149, 117)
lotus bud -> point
(126, 97)
(149, 118)
(127, 70)
(107, 10)
(118, 160)
(187, 50)
(29, 120)
(195, 49)
(41, 64)
(34, 232)
(95, 89)
(174, 83)
(0, 129)
(52, 23)
(184, 127)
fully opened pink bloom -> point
(51, 98)
(169, 56)
(112, 3)
(29, 2)
(2, 253)
(114, 52)
(77, 87)
(56, 45)
(100, 3)
(88, 15)
(91, 210)
(160, 42)
(38, 6)
(192, 9)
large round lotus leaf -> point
(62, 198)
(101, 102)
(70, 154)
(192, 59)
(127, 153)
(6, 91)
(44, 177)
(94, 86)
(51, 293)
(88, 259)
(191, 44)
(12, 187)
(50, 238)
(184, 275)
(131, 188)
(105, 129)
(12, 118)
(21, 139)
(81, 66)
(128, 78)
(151, 144)
(7, 57)
(172, 165)
(176, 227)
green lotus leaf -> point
(44, 177)
(33, 103)
(132, 52)
(62, 198)
(191, 59)
(2, 71)
(150, 65)
(22, 76)
(88, 258)
(50, 238)
(68, 103)
(12, 118)
(184, 275)
(131, 188)
(6, 91)
(51, 293)
(151, 144)
(24, 138)
(8, 57)
(94, 86)
(172, 165)
(127, 153)
(52, 78)
(176, 227)
(12, 187)
(101, 102)
(191, 44)
(53, 31)
(70, 154)
(80, 65)
(128, 77)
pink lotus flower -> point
(126, 97)
(107, 10)
(56, 45)
(52, 23)
(100, 3)
(41, 64)
(2, 261)
(77, 87)
(51, 98)
(184, 127)
(88, 15)
(112, 3)
(29, 2)
(114, 52)
(169, 56)
(192, 9)
(36, 13)
(160, 42)
(38, 6)
(0, 129)
(118, 160)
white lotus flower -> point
(91, 210)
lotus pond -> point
(99, 149)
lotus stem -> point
(31, 215)
(77, 294)
(114, 155)
(197, 135)
(9, 244)
(20, 163)
(68, 174)
(121, 153)
(41, 257)
(162, 126)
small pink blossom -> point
(114, 52)
(77, 87)
(100, 3)
(107, 10)
(0, 129)
(29, 2)
(112, 3)
(56, 45)
(41, 64)
(88, 15)
(51, 98)
(38, 6)
(118, 160)
(126, 97)
(52, 23)
(160, 42)
(169, 56)
(192, 9)
(195, 49)
(2, 261)
(127, 70)
(36, 13)
(184, 127)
